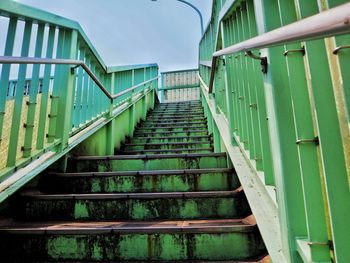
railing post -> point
(66, 90)
(152, 96)
(144, 99)
(110, 126)
(228, 89)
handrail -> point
(77, 63)
(179, 71)
(332, 22)
(134, 87)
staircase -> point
(165, 196)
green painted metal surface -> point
(290, 123)
(278, 120)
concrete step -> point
(175, 114)
(147, 162)
(168, 151)
(167, 139)
(167, 241)
(150, 134)
(175, 120)
(167, 146)
(173, 128)
(171, 124)
(133, 206)
(191, 102)
(216, 179)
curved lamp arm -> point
(195, 8)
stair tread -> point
(149, 156)
(162, 151)
(137, 133)
(161, 124)
(145, 172)
(171, 137)
(36, 195)
(171, 127)
(167, 143)
(105, 227)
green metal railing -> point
(279, 89)
(71, 89)
(180, 85)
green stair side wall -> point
(97, 143)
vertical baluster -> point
(55, 92)
(45, 91)
(226, 38)
(17, 110)
(75, 109)
(63, 125)
(238, 125)
(91, 96)
(28, 141)
(261, 106)
(242, 96)
(85, 93)
(5, 72)
(98, 94)
(254, 150)
(78, 105)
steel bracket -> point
(72, 69)
(253, 105)
(25, 125)
(25, 148)
(302, 51)
(30, 103)
(337, 49)
(315, 140)
(263, 61)
(54, 97)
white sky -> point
(166, 32)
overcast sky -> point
(166, 32)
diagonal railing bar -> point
(77, 63)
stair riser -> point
(170, 140)
(151, 164)
(136, 209)
(175, 118)
(138, 247)
(141, 183)
(182, 151)
(162, 134)
(188, 107)
(193, 110)
(168, 146)
(173, 129)
(175, 121)
(162, 124)
(176, 115)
